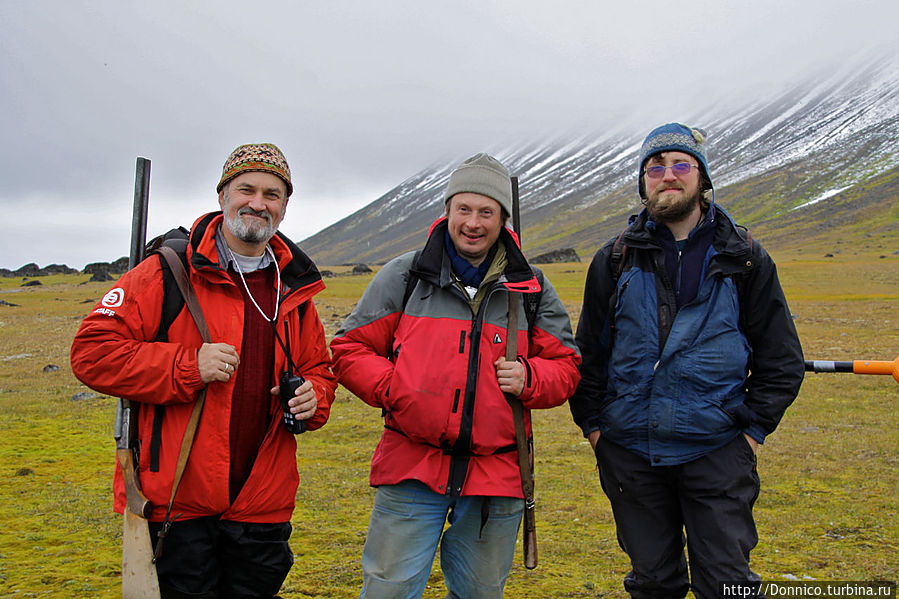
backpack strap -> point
(616, 267)
(532, 300)
(619, 253)
(172, 304)
(411, 280)
(190, 298)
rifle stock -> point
(138, 503)
(524, 448)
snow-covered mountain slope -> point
(785, 153)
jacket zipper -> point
(461, 450)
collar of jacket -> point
(733, 251)
(298, 272)
(433, 263)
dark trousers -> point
(209, 557)
(711, 497)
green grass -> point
(829, 487)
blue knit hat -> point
(673, 137)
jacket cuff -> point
(589, 429)
(747, 420)
(191, 369)
(756, 432)
(528, 390)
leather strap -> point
(525, 449)
(193, 306)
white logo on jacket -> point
(496, 338)
(114, 298)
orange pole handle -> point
(876, 367)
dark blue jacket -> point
(673, 384)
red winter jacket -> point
(430, 368)
(114, 352)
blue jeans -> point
(406, 524)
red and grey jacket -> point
(114, 353)
(429, 366)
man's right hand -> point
(593, 438)
(217, 362)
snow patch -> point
(823, 196)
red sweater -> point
(251, 401)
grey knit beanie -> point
(485, 175)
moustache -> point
(259, 213)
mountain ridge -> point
(777, 165)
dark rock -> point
(326, 274)
(29, 270)
(31, 283)
(95, 267)
(5, 303)
(562, 255)
(59, 269)
(119, 266)
(24, 472)
(100, 276)
(361, 269)
(82, 396)
(51, 368)
(828, 255)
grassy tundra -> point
(828, 508)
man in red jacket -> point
(254, 285)
(429, 351)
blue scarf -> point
(471, 276)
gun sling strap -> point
(193, 305)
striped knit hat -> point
(266, 158)
(673, 137)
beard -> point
(669, 208)
(249, 233)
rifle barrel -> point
(124, 418)
(139, 213)
(516, 213)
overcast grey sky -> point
(359, 95)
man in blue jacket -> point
(689, 359)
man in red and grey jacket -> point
(433, 361)
(238, 491)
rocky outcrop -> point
(562, 255)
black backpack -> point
(172, 300)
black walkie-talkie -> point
(288, 386)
